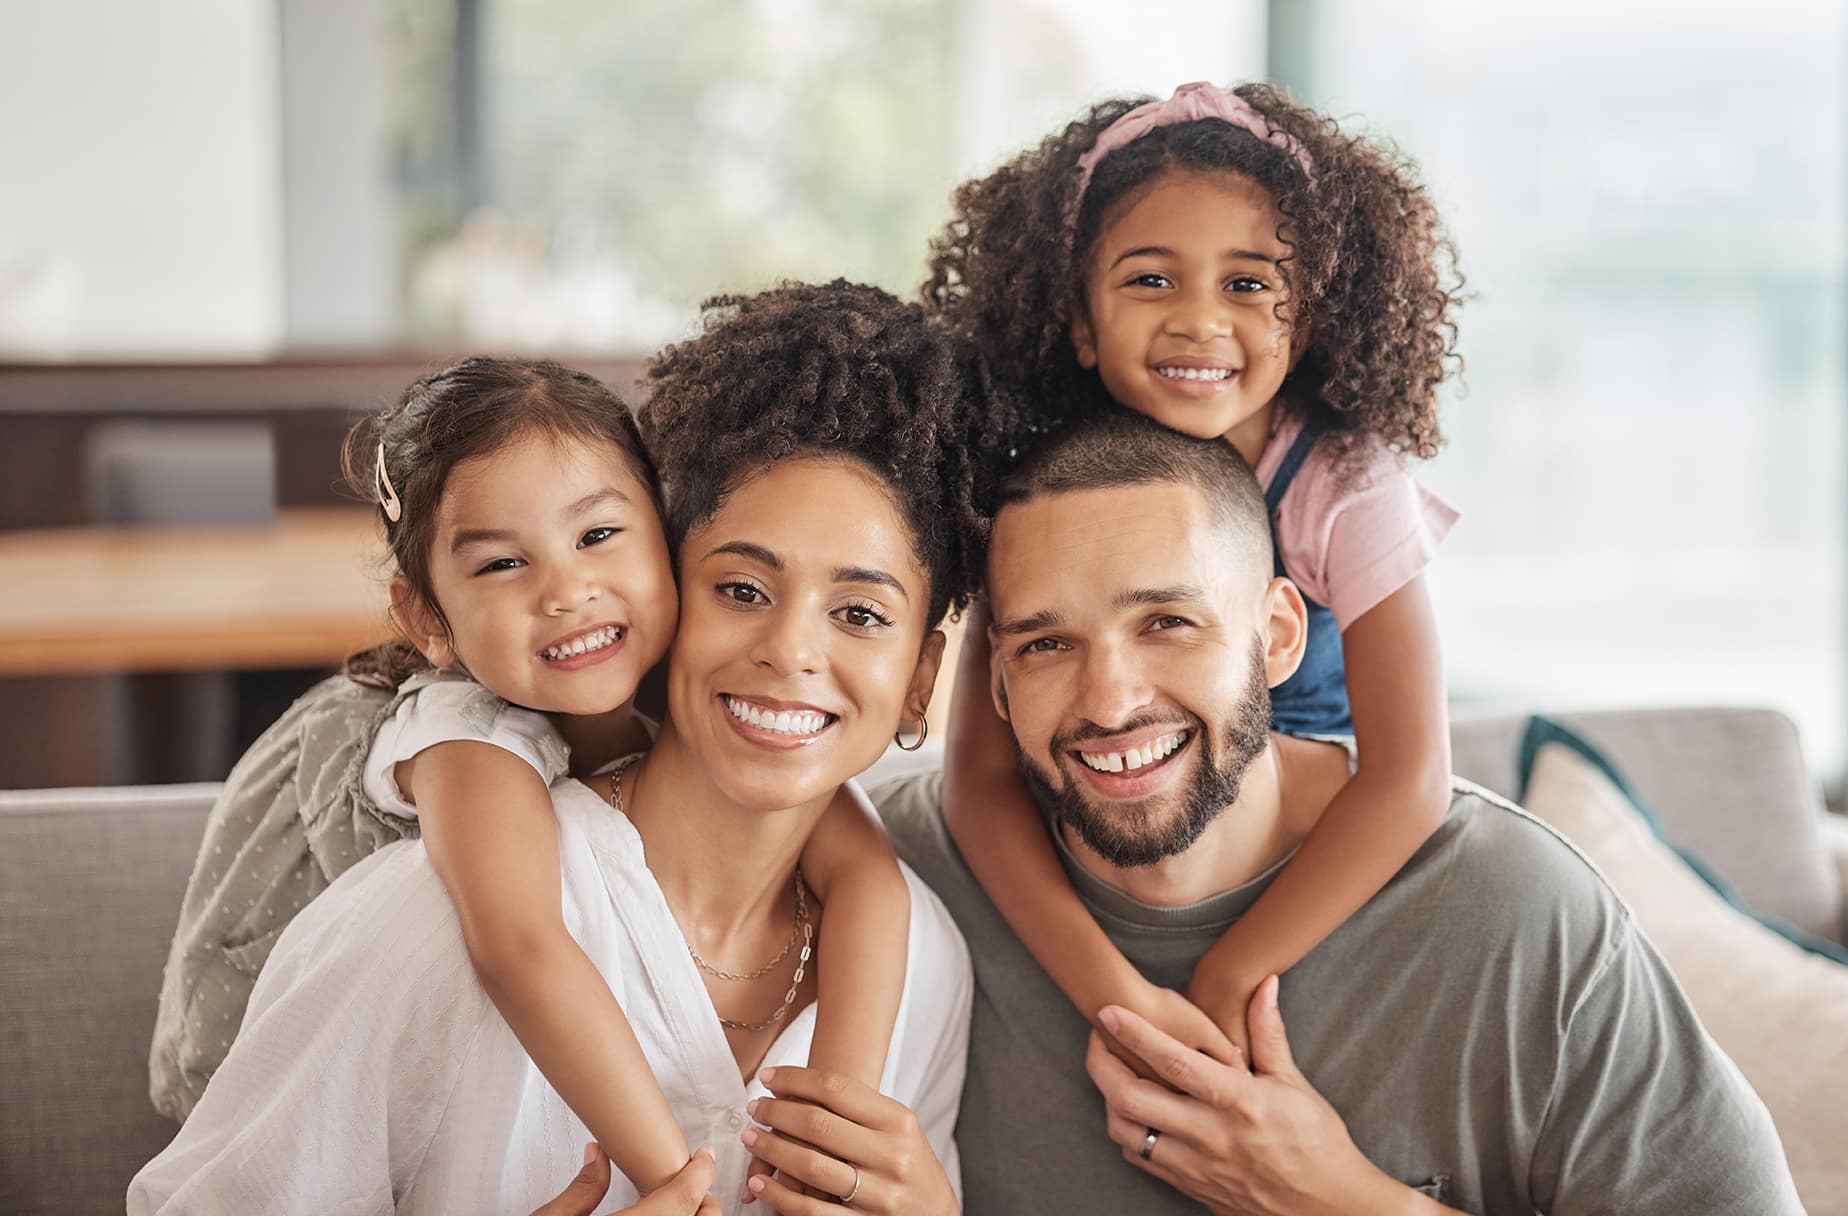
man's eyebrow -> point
(870, 576)
(748, 551)
(1178, 596)
(1045, 619)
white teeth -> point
(577, 646)
(786, 722)
(1194, 373)
(1136, 757)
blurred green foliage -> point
(703, 145)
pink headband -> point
(1190, 103)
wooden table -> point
(307, 591)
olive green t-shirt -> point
(1492, 1026)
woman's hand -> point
(686, 1194)
(843, 1139)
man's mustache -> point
(1142, 720)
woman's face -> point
(802, 633)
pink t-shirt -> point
(1351, 530)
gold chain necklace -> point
(803, 928)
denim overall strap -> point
(1314, 701)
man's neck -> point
(1282, 795)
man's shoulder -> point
(1487, 834)
(912, 809)
(1502, 869)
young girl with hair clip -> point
(1230, 265)
(534, 588)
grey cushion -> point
(1728, 784)
(90, 886)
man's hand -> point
(686, 1194)
(1254, 1143)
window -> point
(1648, 203)
(629, 160)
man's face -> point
(1133, 653)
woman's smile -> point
(772, 723)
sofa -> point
(91, 880)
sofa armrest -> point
(1835, 839)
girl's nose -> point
(1200, 317)
(569, 591)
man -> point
(1492, 1028)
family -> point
(1194, 916)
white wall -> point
(140, 178)
(340, 206)
(1008, 100)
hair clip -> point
(388, 497)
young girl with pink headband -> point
(1231, 265)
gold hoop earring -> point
(923, 734)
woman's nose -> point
(789, 644)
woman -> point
(815, 442)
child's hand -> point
(685, 1194)
(1177, 1016)
(1225, 998)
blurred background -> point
(228, 225)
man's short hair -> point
(1122, 448)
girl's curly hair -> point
(837, 370)
(1372, 269)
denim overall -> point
(1314, 701)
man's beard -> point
(1128, 835)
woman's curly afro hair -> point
(840, 370)
(1372, 270)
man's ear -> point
(420, 625)
(1084, 340)
(924, 678)
(1285, 626)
